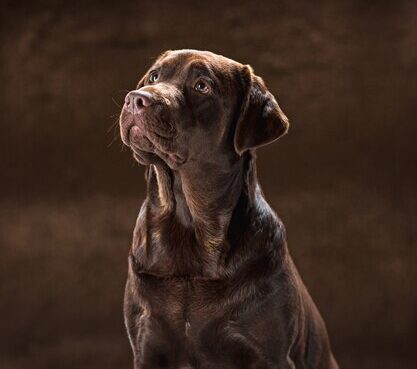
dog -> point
(211, 283)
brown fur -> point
(211, 283)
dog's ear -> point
(261, 120)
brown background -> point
(344, 180)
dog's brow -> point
(203, 68)
(163, 67)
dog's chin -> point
(146, 152)
(146, 158)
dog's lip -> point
(125, 132)
(141, 120)
(128, 133)
(144, 120)
(134, 131)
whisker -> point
(112, 141)
(117, 104)
(113, 125)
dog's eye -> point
(202, 87)
(153, 77)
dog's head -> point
(196, 106)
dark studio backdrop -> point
(343, 180)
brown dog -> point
(211, 283)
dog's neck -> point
(203, 197)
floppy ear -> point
(261, 120)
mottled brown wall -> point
(344, 180)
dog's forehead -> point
(186, 59)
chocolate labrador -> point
(211, 283)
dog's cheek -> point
(208, 112)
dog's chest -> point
(189, 310)
(180, 299)
(190, 322)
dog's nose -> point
(136, 100)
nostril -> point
(144, 99)
(139, 102)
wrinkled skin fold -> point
(211, 283)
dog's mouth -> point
(150, 139)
